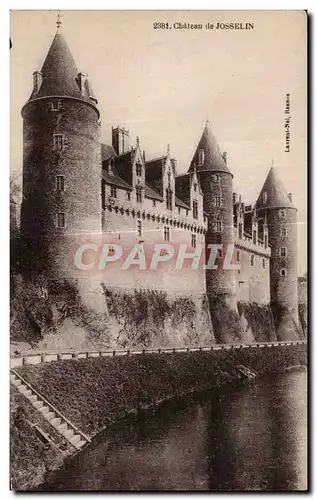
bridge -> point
(46, 356)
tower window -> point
(282, 214)
(215, 178)
(60, 219)
(169, 199)
(55, 105)
(139, 227)
(283, 272)
(113, 191)
(193, 240)
(264, 197)
(58, 142)
(139, 194)
(60, 183)
(254, 237)
(283, 231)
(166, 233)
(195, 209)
(265, 241)
(201, 157)
(217, 201)
(263, 263)
(283, 252)
(218, 226)
(139, 169)
(252, 260)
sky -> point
(162, 84)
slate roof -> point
(150, 193)
(115, 180)
(107, 152)
(213, 158)
(181, 203)
(59, 74)
(277, 196)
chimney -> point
(120, 140)
(290, 195)
(224, 155)
(37, 81)
(81, 78)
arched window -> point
(201, 157)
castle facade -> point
(74, 184)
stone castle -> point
(74, 184)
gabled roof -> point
(59, 74)
(213, 159)
(107, 152)
(115, 180)
(276, 194)
(181, 203)
(150, 193)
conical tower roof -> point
(60, 74)
(213, 159)
(276, 195)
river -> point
(250, 439)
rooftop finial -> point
(137, 141)
(59, 20)
(272, 165)
(168, 149)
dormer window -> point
(264, 197)
(138, 194)
(139, 169)
(195, 209)
(195, 186)
(201, 157)
(169, 199)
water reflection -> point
(252, 439)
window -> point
(283, 273)
(217, 201)
(252, 260)
(215, 178)
(218, 226)
(201, 157)
(186, 213)
(113, 191)
(179, 210)
(240, 228)
(60, 183)
(60, 219)
(169, 199)
(139, 194)
(128, 196)
(194, 240)
(139, 169)
(283, 231)
(254, 237)
(58, 142)
(166, 233)
(283, 252)
(263, 263)
(169, 176)
(264, 197)
(139, 227)
(265, 241)
(195, 186)
(195, 209)
(153, 203)
(282, 214)
(55, 105)
(238, 256)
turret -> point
(280, 216)
(216, 183)
(61, 163)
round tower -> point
(61, 164)
(276, 205)
(216, 183)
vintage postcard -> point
(158, 276)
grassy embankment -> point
(97, 392)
